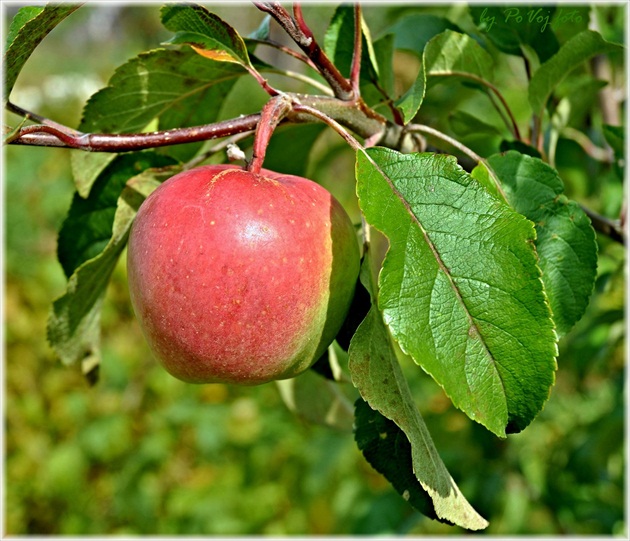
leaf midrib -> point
(443, 268)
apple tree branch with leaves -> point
(471, 266)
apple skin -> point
(238, 277)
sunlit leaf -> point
(178, 88)
(454, 54)
(211, 35)
(460, 289)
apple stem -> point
(274, 111)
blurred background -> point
(142, 453)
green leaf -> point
(463, 124)
(448, 54)
(460, 289)
(454, 54)
(572, 54)
(413, 32)
(339, 46)
(210, 35)
(387, 449)
(318, 400)
(565, 240)
(290, 148)
(615, 137)
(74, 322)
(28, 28)
(88, 226)
(262, 32)
(402, 448)
(178, 88)
(410, 102)
(510, 27)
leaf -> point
(463, 124)
(410, 102)
(573, 53)
(209, 35)
(460, 289)
(401, 449)
(388, 451)
(447, 54)
(28, 28)
(339, 46)
(615, 137)
(74, 322)
(290, 148)
(88, 226)
(454, 54)
(178, 88)
(565, 240)
(511, 27)
(413, 32)
(263, 30)
(317, 400)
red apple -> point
(238, 277)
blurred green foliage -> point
(142, 453)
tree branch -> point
(301, 34)
(355, 116)
(611, 228)
(46, 135)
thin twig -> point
(355, 70)
(461, 147)
(299, 108)
(28, 115)
(512, 125)
(610, 228)
(304, 38)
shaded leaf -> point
(28, 28)
(565, 240)
(615, 137)
(290, 148)
(73, 329)
(388, 451)
(573, 53)
(510, 27)
(88, 226)
(521, 147)
(318, 400)
(413, 32)
(210, 35)
(398, 430)
(463, 124)
(339, 46)
(460, 289)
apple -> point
(237, 277)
